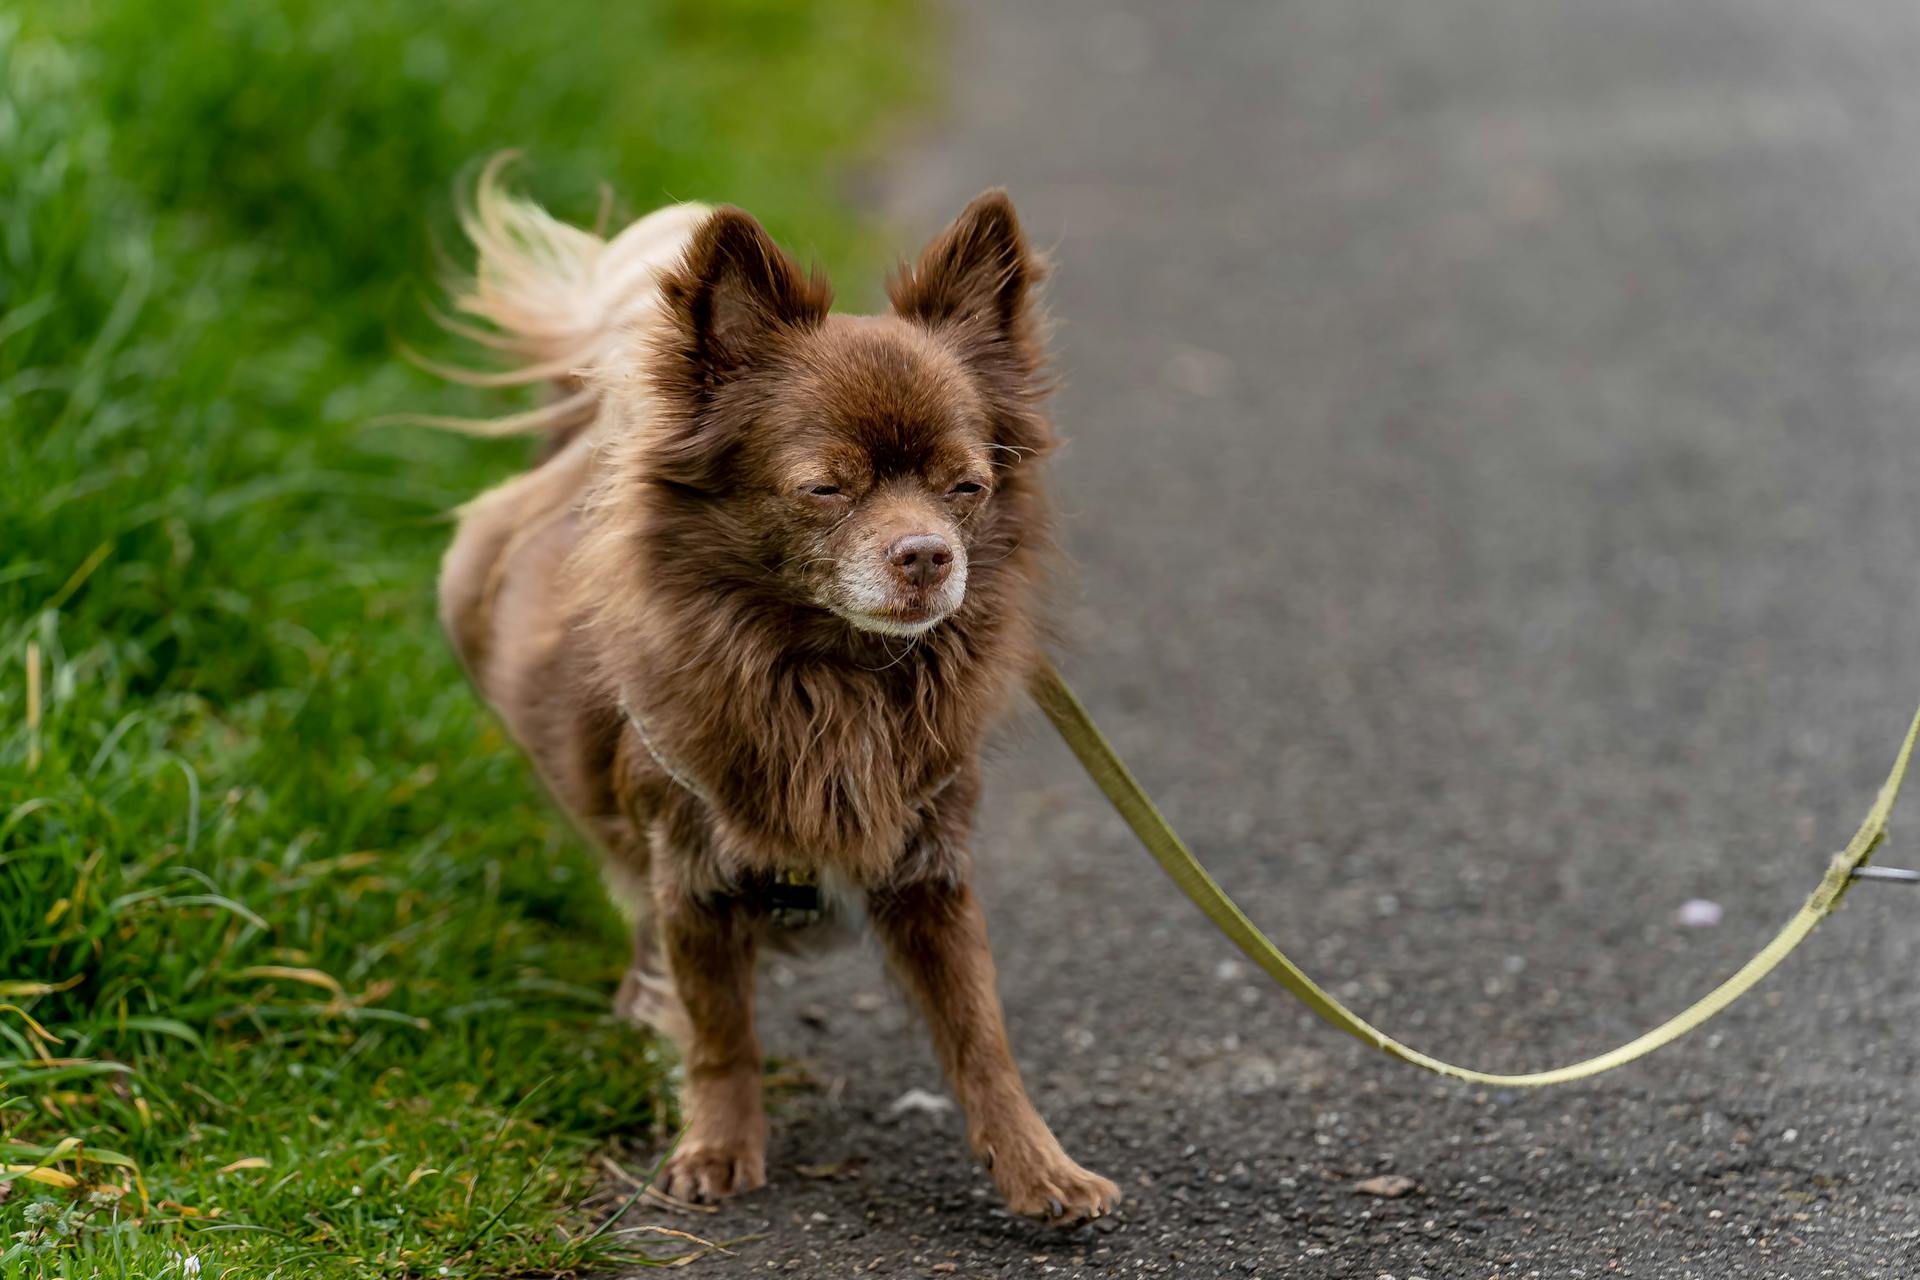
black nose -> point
(922, 559)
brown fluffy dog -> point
(755, 612)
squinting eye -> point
(963, 488)
(824, 490)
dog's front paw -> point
(1040, 1182)
(709, 1173)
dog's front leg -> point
(709, 945)
(936, 938)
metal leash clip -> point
(793, 899)
(1887, 875)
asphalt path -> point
(1493, 498)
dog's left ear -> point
(975, 281)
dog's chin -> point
(906, 622)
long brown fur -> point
(757, 611)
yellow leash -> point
(1127, 796)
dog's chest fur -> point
(828, 765)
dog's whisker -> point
(1007, 555)
(913, 643)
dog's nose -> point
(921, 559)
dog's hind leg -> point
(647, 996)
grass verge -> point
(298, 973)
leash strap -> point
(1110, 774)
(675, 775)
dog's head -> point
(866, 466)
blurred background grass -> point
(298, 972)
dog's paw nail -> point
(1054, 1207)
(704, 1175)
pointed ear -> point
(976, 278)
(734, 291)
(974, 287)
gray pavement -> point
(1493, 495)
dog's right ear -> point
(734, 291)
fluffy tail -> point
(557, 300)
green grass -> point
(299, 975)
